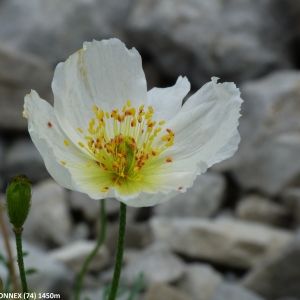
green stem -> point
(94, 252)
(18, 234)
(119, 255)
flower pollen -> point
(124, 143)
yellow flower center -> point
(122, 143)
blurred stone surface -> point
(73, 255)
(138, 235)
(19, 73)
(235, 40)
(80, 231)
(203, 199)
(51, 276)
(157, 263)
(260, 209)
(48, 222)
(232, 291)
(97, 294)
(158, 290)
(291, 199)
(2, 151)
(46, 28)
(279, 276)
(267, 157)
(226, 241)
(90, 207)
(22, 157)
(200, 281)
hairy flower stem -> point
(94, 252)
(119, 255)
(18, 234)
(9, 252)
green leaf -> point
(31, 271)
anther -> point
(67, 143)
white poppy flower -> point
(108, 137)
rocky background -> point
(234, 234)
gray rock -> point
(158, 290)
(49, 221)
(2, 152)
(291, 199)
(47, 28)
(201, 200)
(90, 207)
(149, 261)
(73, 255)
(97, 294)
(279, 276)
(236, 40)
(260, 209)
(22, 157)
(267, 158)
(138, 235)
(288, 298)
(19, 73)
(232, 291)
(51, 276)
(230, 242)
(80, 231)
(200, 281)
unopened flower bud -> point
(18, 199)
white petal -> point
(205, 133)
(105, 74)
(145, 199)
(48, 138)
(167, 102)
(206, 126)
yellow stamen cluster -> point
(121, 142)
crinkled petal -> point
(48, 138)
(205, 133)
(167, 102)
(206, 126)
(105, 74)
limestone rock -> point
(157, 263)
(291, 199)
(51, 276)
(230, 242)
(22, 157)
(232, 291)
(261, 209)
(90, 207)
(47, 28)
(201, 200)
(19, 73)
(231, 39)
(200, 281)
(267, 157)
(138, 235)
(279, 276)
(49, 221)
(159, 290)
(73, 255)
